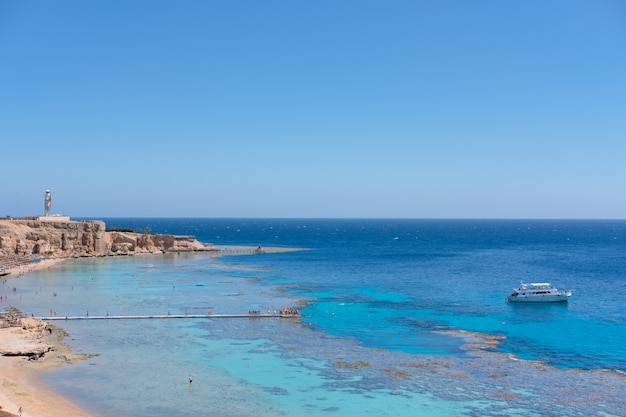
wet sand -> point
(21, 385)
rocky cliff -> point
(66, 239)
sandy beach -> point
(21, 385)
(33, 266)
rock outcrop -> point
(26, 337)
(127, 243)
(27, 239)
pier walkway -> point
(173, 316)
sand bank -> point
(32, 266)
(253, 250)
(21, 385)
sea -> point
(397, 318)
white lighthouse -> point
(47, 203)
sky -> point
(324, 109)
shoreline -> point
(22, 385)
(18, 271)
(21, 382)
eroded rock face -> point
(65, 239)
(129, 243)
(48, 239)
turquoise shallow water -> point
(386, 310)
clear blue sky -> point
(417, 109)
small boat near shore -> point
(539, 292)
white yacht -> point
(540, 292)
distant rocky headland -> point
(50, 238)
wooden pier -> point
(173, 316)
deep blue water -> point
(395, 296)
(414, 276)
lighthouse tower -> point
(47, 203)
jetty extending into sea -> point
(173, 316)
